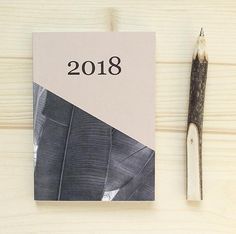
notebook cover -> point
(94, 116)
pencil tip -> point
(201, 32)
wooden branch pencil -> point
(195, 120)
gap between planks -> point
(213, 132)
(157, 62)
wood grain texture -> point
(177, 24)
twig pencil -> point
(195, 120)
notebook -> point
(94, 116)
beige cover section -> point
(125, 101)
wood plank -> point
(172, 88)
(217, 213)
(172, 91)
(176, 24)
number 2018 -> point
(89, 67)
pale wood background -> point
(177, 24)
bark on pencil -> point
(195, 120)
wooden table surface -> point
(176, 24)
